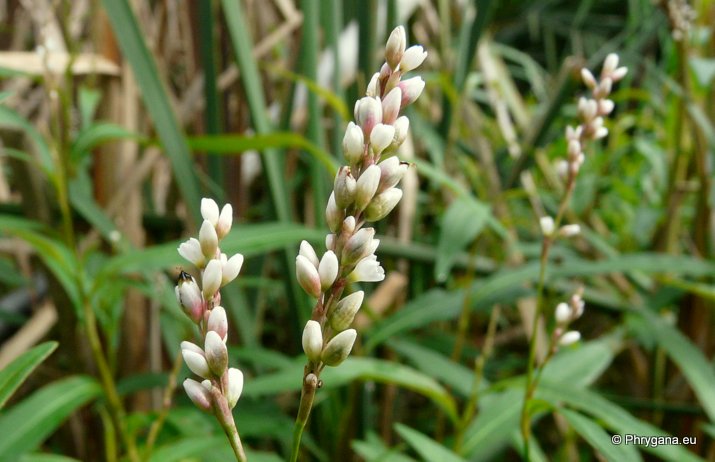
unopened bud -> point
(211, 279)
(373, 87)
(402, 128)
(391, 172)
(569, 338)
(547, 225)
(330, 240)
(195, 359)
(209, 210)
(312, 340)
(344, 312)
(605, 106)
(391, 106)
(225, 221)
(395, 47)
(235, 386)
(382, 204)
(358, 246)
(353, 144)
(619, 73)
(609, 64)
(308, 252)
(198, 394)
(344, 187)
(208, 239)
(218, 322)
(307, 275)
(328, 269)
(414, 56)
(588, 79)
(367, 185)
(381, 137)
(334, 215)
(411, 90)
(368, 113)
(216, 353)
(569, 230)
(230, 268)
(349, 225)
(339, 347)
(189, 297)
(191, 251)
(562, 313)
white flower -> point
(391, 106)
(413, 57)
(367, 270)
(225, 221)
(382, 204)
(191, 251)
(230, 268)
(353, 144)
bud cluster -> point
(221, 385)
(564, 315)
(364, 190)
(548, 228)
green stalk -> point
(307, 396)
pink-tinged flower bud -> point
(312, 340)
(588, 79)
(412, 59)
(218, 322)
(605, 107)
(391, 106)
(216, 353)
(225, 221)
(308, 252)
(328, 269)
(211, 279)
(235, 386)
(330, 241)
(547, 225)
(344, 187)
(195, 359)
(373, 87)
(569, 230)
(191, 251)
(402, 128)
(339, 347)
(382, 204)
(348, 225)
(307, 275)
(569, 338)
(610, 64)
(208, 239)
(198, 394)
(368, 113)
(381, 137)
(334, 215)
(344, 312)
(366, 187)
(395, 47)
(367, 270)
(411, 90)
(391, 172)
(353, 144)
(209, 210)
(563, 313)
(357, 247)
(619, 73)
(230, 268)
(189, 296)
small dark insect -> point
(184, 276)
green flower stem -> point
(225, 418)
(307, 395)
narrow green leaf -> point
(43, 457)
(599, 439)
(426, 447)
(461, 224)
(15, 373)
(95, 135)
(156, 100)
(26, 425)
(10, 118)
(188, 447)
(498, 417)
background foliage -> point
(118, 116)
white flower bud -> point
(307, 275)
(208, 239)
(569, 338)
(574, 149)
(353, 144)
(414, 56)
(211, 279)
(368, 113)
(195, 359)
(382, 204)
(209, 210)
(191, 251)
(333, 214)
(391, 106)
(605, 106)
(574, 133)
(358, 246)
(604, 88)
(308, 252)
(619, 73)
(563, 313)
(344, 187)
(218, 322)
(569, 230)
(230, 268)
(235, 386)
(588, 79)
(312, 340)
(330, 240)
(198, 394)
(547, 225)
(344, 312)
(601, 132)
(367, 185)
(367, 270)
(189, 297)
(373, 86)
(610, 64)
(395, 47)
(402, 128)
(339, 347)
(328, 269)
(391, 172)
(225, 221)
(216, 353)
(381, 137)
(411, 90)
(348, 226)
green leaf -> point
(461, 224)
(694, 365)
(156, 100)
(15, 373)
(95, 135)
(26, 425)
(42, 457)
(498, 417)
(426, 447)
(599, 439)
(373, 449)
(581, 366)
(10, 118)
(188, 447)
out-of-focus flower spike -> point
(569, 338)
